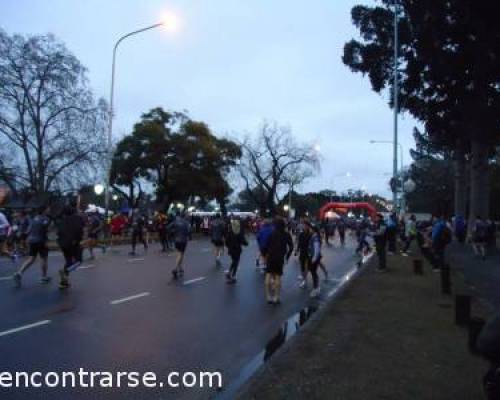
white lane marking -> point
(87, 266)
(6, 278)
(123, 300)
(23, 328)
(206, 249)
(194, 280)
(131, 260)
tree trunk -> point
(460, 182)
(479, 182)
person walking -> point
(37, 241)
(380, 239)
(392, 232)
(440, 237)
(95, 225)
(217, 235)
(160, 223)
(69, 237)
(235, 239)
(411, 234)
(315, 256)
(278, 250)
(480, 237)
(341, 229)
(180, 230)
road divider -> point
(87, 266)
(24, 327)
(129, 298)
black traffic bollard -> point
(445, 279)
(418, 267)
(476, 324)
(462, 309)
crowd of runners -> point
(277, 240)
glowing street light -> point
(171, 23)
(98, 189)
(286, 208)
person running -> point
(217, 235)
(480, 237)
(235, 239)
(4, 234)
(180, 229)
(278, 250)
(69, 237)
(411, 234)
(380, 239)
(160, 222)
(362, 234)
(37, 241)
(263, 236)
(392, 232)
(118, 223)
(138, 223)
(314, 252)
(94, 229)
(302, 249)
(440, 237)
(341, 229)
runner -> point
(4, 233)
(302, 249)
(160, 223)
(380, 238)
(37, 240)
(341, 230)
(118, 223)
(138, 223)
(94, 229)
(235, 239)
(314, 252)
(180, 230)
(263, 236)
(279, 249)
(217, 234)
(480, 237)
(69, 236)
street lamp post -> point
(396, 99)
(111, 111)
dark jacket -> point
(70, 231)
(280, 246)
(235, 238)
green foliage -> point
(180, 157)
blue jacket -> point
(437, 229)
(263, 235)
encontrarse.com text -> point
(93, 379)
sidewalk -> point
(483, 275)
(389, 336)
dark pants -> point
(438, 251)
(362, 245)
(409, 239)
(391, 237)
(381, 253)
(313, 267)
(162, 234)
(235, 261)
(138, 236)
(342, 237)
(303, 263)
(72, 255)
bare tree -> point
(48, 115)
(274, 160)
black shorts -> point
(218, 243)
(274, 268)
(38, 249)
(180, 246)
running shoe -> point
(174, 274)
(45, 279)
(303, 284)
(314, 293)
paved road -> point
(126, 314)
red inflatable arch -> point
(332, 206)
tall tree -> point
(48, 115)
(449, 57)
(272, 160)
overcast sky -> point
(233, 63)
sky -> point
(233, 64)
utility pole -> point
(396, 102)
